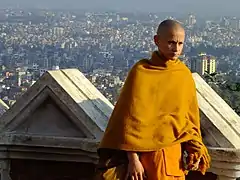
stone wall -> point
(50, 170)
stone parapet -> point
(225, 163)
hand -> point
(194, 163)
(135, 170)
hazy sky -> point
(198, 6)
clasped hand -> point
(135, 170)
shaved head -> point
(169, 39)
(169, 25)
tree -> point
(228, 89)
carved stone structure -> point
(3, 107)
(57, 123)
(226, 163)
(52, 131)
(221, 126)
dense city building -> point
(203, 64)
(104, 46)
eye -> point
(172, 42)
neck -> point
(162, 57)
(159, 60)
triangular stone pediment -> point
(62, 103)
(49, 120)
(3, 107)
(220, 123)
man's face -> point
(170, 43)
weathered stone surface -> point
(49, 120)
(3, 107)
(220, 124)
(61, 103)
(221, 127)
(225, 163)
(62, 117)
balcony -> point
(62, 118)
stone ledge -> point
(65, 149)
(225, 162)
(224, 154)
(85, 144)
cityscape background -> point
(104, 42)
(203, 7)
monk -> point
(154, 130)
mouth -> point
(174, 54)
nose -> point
(175, 47)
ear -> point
(156, 40)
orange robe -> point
(165, 164)
(156, 111)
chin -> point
(173, 58)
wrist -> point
(132, 156)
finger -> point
(133, 177)
(136, 176)
(195, 167)
(127, 176)
(140, 176)
(199, 160)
